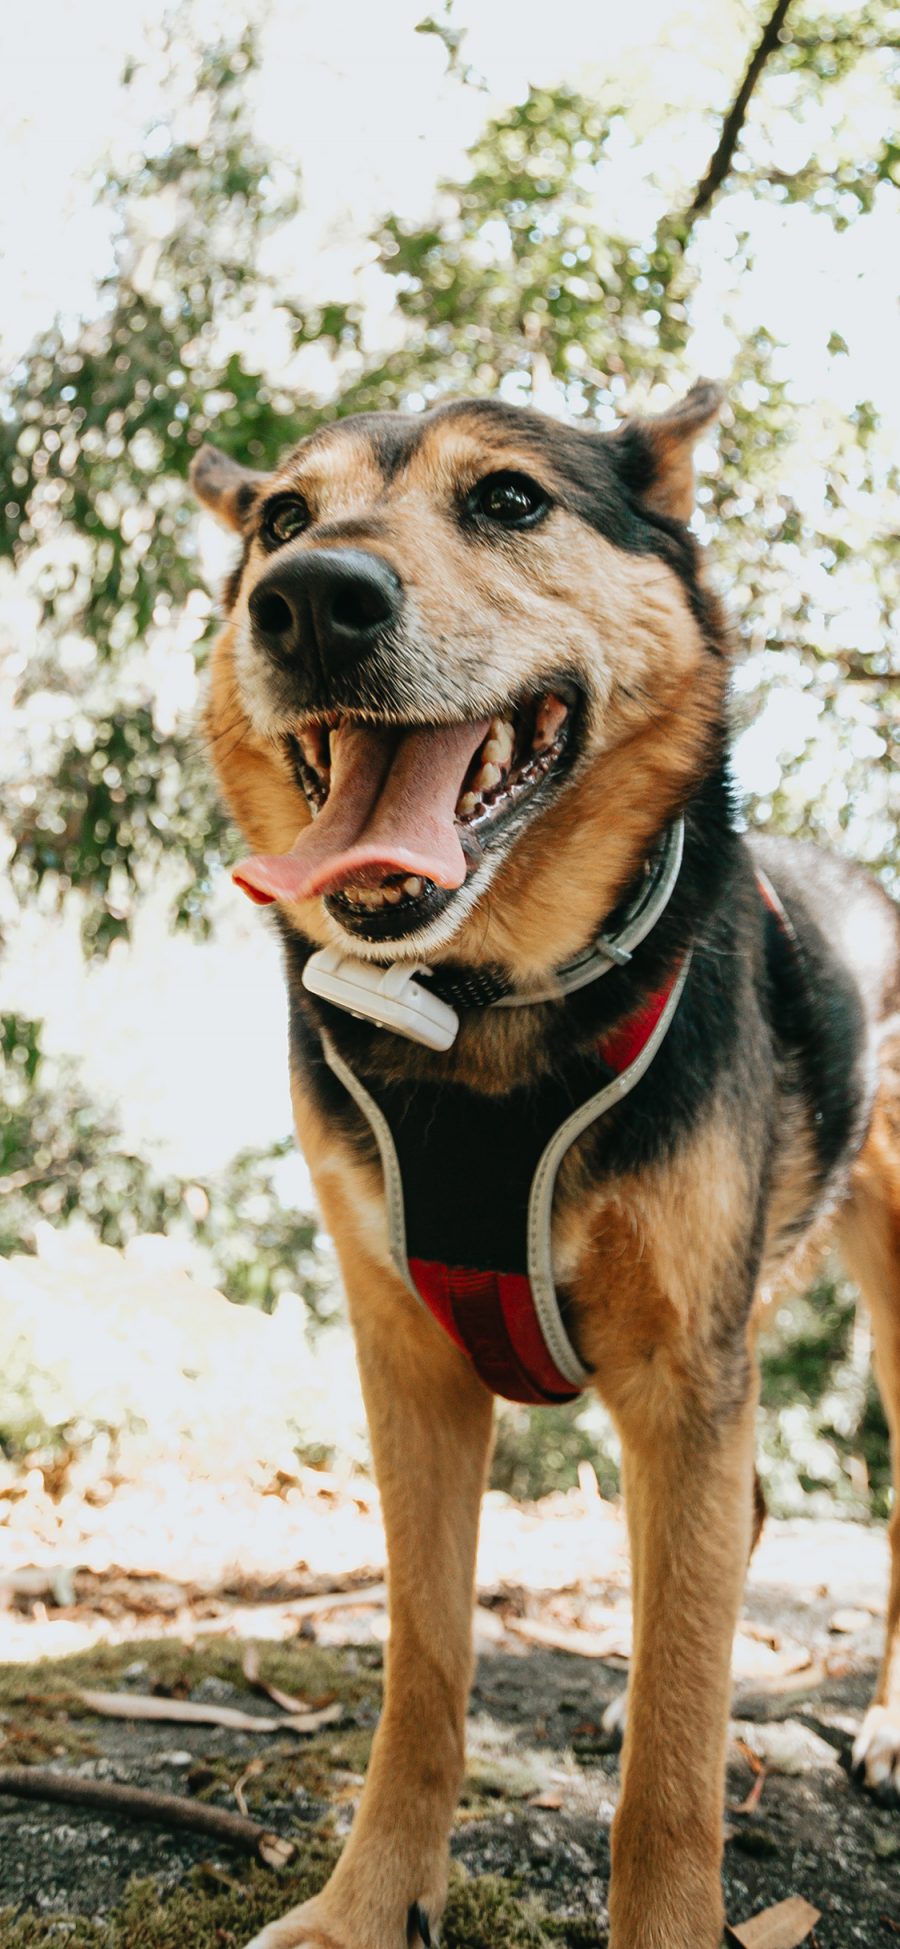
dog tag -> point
(390, 997)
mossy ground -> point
(218, 1904)
(525, 1876)
(483, 1912)
(305, 1669)
(43, 1719)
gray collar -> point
(421, 1002)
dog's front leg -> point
(688, 1466)
(430, 1422)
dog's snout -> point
(338, 601)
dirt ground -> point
(531, 1840)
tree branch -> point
(137, 1803)
(721, 160)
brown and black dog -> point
(470, 710)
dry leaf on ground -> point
(785, 1746)
(785, 1926)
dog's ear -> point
(229, 490)
(655, 457)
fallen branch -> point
(612, 1642)
(723, 155)
(787, 1688)
(257, 1617)
(139, 1803)
(182, 1712)
(337, 1600)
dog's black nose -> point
(336, 600)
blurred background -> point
(236, 222)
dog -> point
(581, 1071)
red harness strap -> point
(623, 1045)
(491, 1316)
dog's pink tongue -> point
(389, 809)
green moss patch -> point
(43, 1720)
(490, 1912)
(213, 1910)
(304, 1669)
(209, 1911)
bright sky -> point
(357, 101)
(362, 107)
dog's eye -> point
(510, 500)
(285, 520)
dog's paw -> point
(615, 1717)
(301, 1928)
(876, 1752)
(307, 1928)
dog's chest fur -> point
(705, 1182)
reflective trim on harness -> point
(390, 1164)
(647, 1030)
(509, 1325)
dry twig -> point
(287, 1700)
(140, 1705)
(760, 1772)
(337, 1600)
(723, 155)
(611, 1642)
(251, 1771)
(139, 1803)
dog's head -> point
(469, 672)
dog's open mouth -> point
(402, 814)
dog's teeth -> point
(392, 895)
(500, 741)
(467, 805)
(367, 897)
(551, 717)
(486, 778)
(412, 886)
